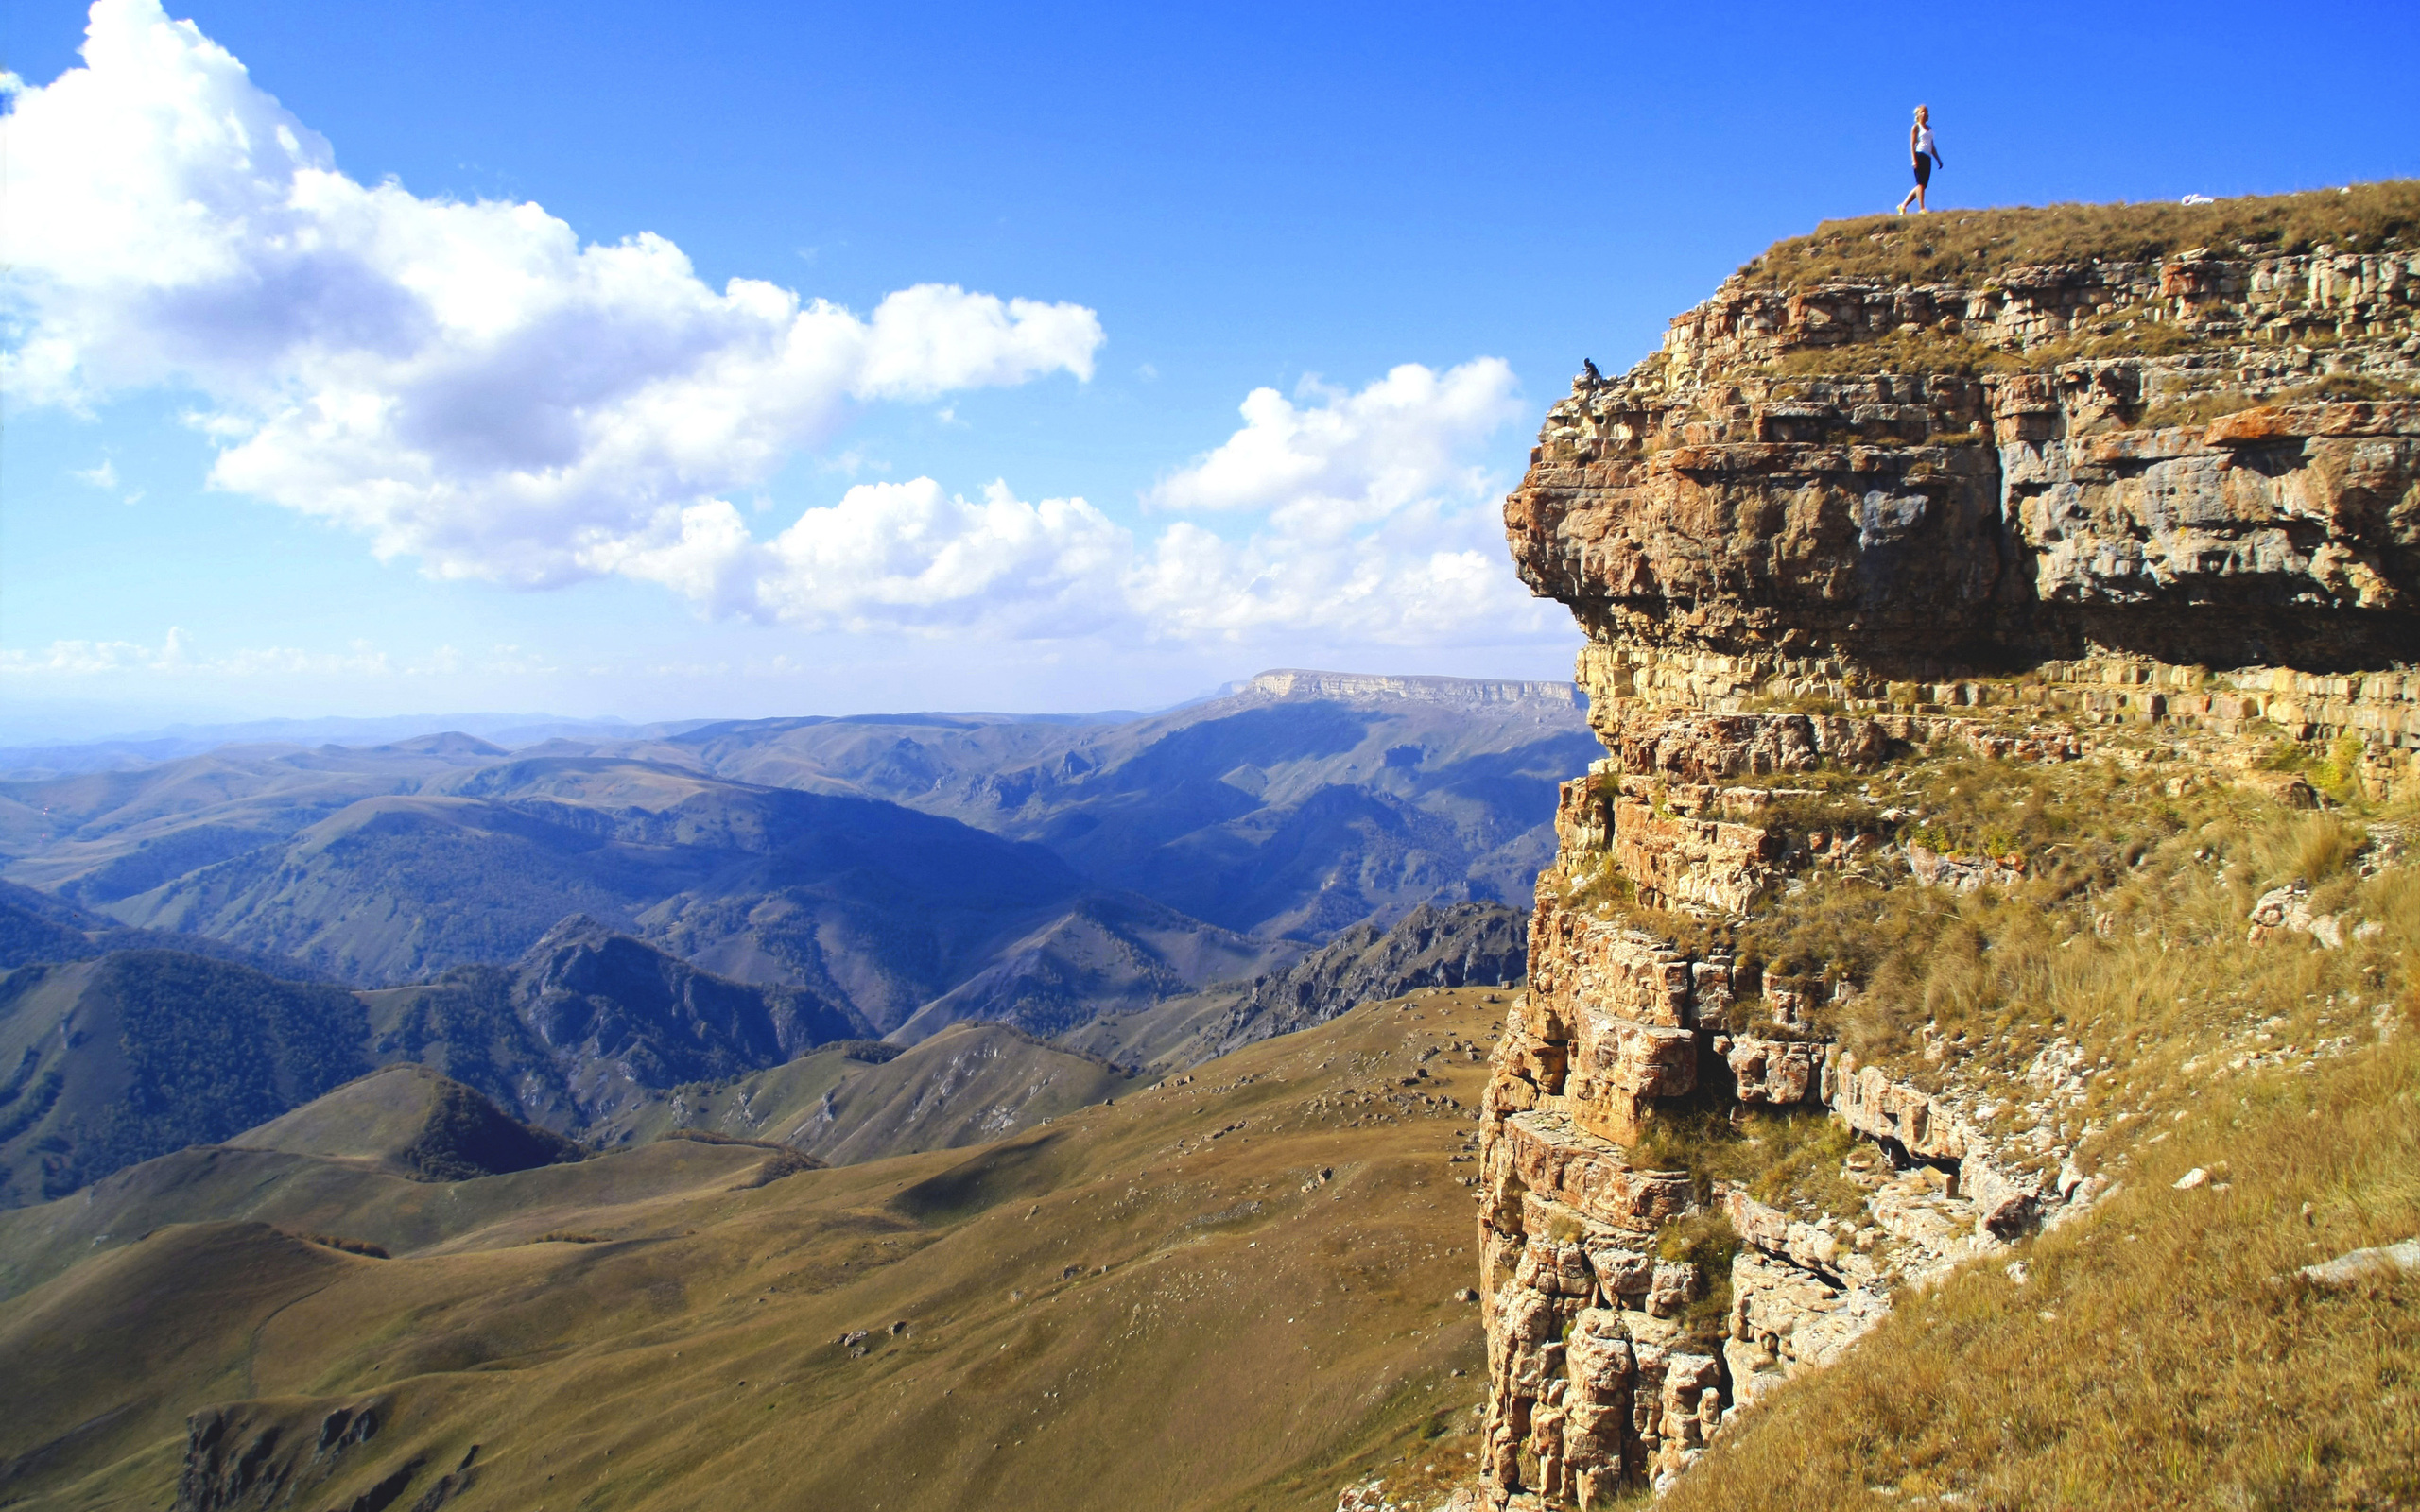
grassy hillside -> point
(1236, 1290)
(866, 1100)
(414, 1123)
(139, 1053)
(1455, 945)
(2174, 979)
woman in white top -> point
(1927, 156)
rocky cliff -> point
(1850, 552)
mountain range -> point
(882, 862)
(613, 940)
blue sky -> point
(240, 477)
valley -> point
(1238, 1287)
(612, 939)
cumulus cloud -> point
(471, 387)
(86, 657)
(103, 476)
(1354, 457)
(1345, 526)
(1357, 516)
(175, 655)
(466, 383)
(1376, 525)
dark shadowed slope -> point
(591, 1023)
(1452, 946)
(117, 1060)
(413, 1123)
(36, 926)
(1302, 804)
(876, 908)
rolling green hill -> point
(411, 1121)
(139, 1053)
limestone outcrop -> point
(1833, 526)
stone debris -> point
(2384, 1262)
(1772, 1072)
(2289, 908)
(1962, 873)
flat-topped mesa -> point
(2162, 505)
(1365, 686)
(2196, 475)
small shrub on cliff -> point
(2340, 775)
(1706, 1240)
(1787, 1158)
(2198, 410)
(1685, 1134)
(2311, 848)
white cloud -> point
(86, 657)
(1377, 539)
(175, 655)
(1378, 528)
(1356, 456)
(463, 382)
(103, 476)
(470, 386)
(901, 556)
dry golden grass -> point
(2162, 1353)
(1969, 246)
(2127, 934)
(1154, 1304)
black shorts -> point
(1924, 168)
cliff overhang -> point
(1881, 508)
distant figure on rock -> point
(1594, 378)
(1926, 155)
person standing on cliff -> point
(1926, 155)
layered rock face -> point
(2074, 540)
(1836, 526)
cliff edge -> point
(1988, 614)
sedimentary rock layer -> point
(1834, 527)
